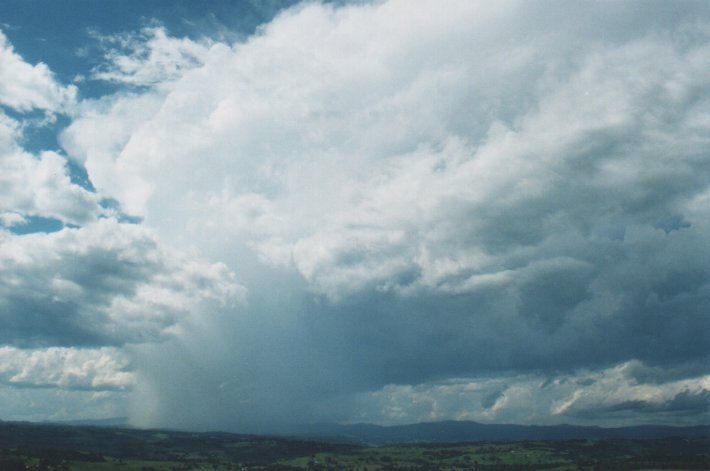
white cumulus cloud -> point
(35, 185)
(623, 394)
(104, 284)
(66, 368)
(24, 86)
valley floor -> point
(26, 447)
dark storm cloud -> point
(568, 234)
(435, 212)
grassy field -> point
(562, 455)
(54, 448)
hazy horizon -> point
(243, 216)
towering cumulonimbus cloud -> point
(487, 211)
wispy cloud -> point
(149, 57)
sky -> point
(246, 216)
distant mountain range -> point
(110, 422)
(426, 432)
(463, 431)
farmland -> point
(64, 448)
